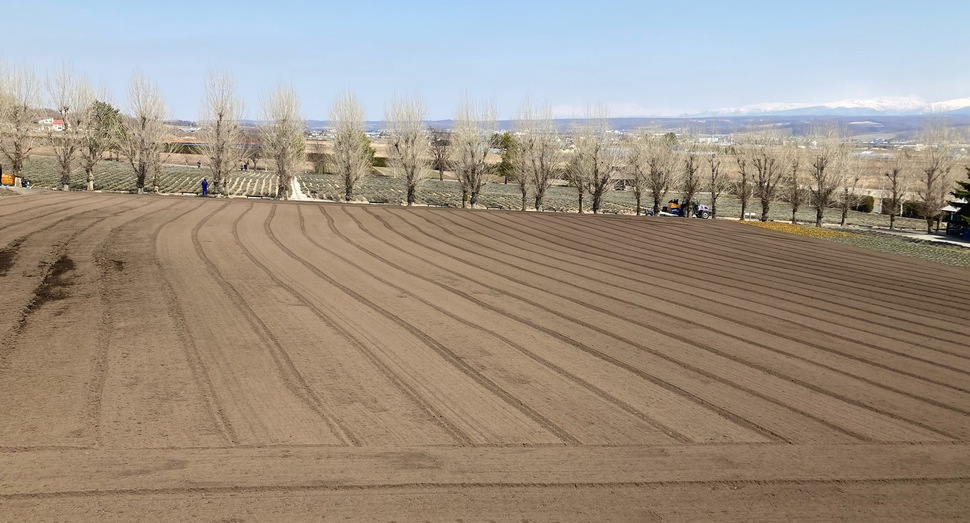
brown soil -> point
(174, 358)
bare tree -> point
(742, 183)
(221, 131)
(19, 95)
(791, 182)
(539, 150)
(826, 169)
(439, 141)
(283, 137)
(896, 183)
(351, 148)
(407, 148)
(768, 172)
(101, 133)
(514, 163)
(70, 96)
(254, 148)
(144, 131)
(660, 168)
(471, 139)
(717, 182)
(597, 156)
(637, 164)
(854, 167)
(936, 162)
(691, 181)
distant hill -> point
(888, 106)
(894, 126)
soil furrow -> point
(670, 431)
(745, 288)
(190, 347)
(635, 364)
(727, 359)
(762, 271)
(397, 381)
(444, 352)
(292, 377)
(958, 381)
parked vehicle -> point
(695, 210)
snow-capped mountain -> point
(887, 106)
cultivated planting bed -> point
(175, 358)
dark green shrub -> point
(865, 204)
(321, 162)
(913, 209)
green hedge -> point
(865, 204)
(913, 209)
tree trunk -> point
(892, 221)
(597, 200)
(525, 198)
(473, 200)
(464, 198)
(441, 173)
(818, 216)
(845, 214)
(764, 211)
(412, 189)
(744, 208)
(793, 220)
(90, 178)
(348, 191)
(580, 202)
(637, 195)
(929, 225)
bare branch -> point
(283, 136)
(407, 149)
(351, 148)
(19, 97)
(221, 130)
(471, 140)
(145, 131)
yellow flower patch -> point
(801, 230)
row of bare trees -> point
(818, 172)
(86, 125)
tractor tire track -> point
(728, 318)
(647, 376)
(829, 285)
(409, 392)
(96, 388)
(669, 431)
(716, 281)
(294, 381)
(702, 346)
(446, 353)
(197, 367)
(942, 404)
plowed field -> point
(172, 358)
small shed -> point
(956, 225)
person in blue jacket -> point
(205, 187)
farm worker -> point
(205, 187)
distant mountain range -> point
(888, 106)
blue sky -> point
(639, 58)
